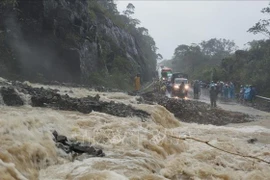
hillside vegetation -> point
(220, 59)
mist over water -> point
(134, 149)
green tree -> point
(129, 10)
(8, 2)
(263, 25)
(215, 46)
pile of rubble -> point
(194, 111)
(75, 147)
(50, 98)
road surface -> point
(261, 118)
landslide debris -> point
(195, 111)
(75, 147)
(50, 98)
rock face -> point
(64, 40)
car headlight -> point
(186, 86)
(176, 87)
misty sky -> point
(172, 23)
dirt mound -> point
(195, 111)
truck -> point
(166, 74)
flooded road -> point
(261, 118)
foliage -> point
(200, 60)
(215, 60)
(130, 10)
(250, 66)
(114, 80)
(8, 2)
(263, 25)
(144, 42)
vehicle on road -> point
(179, 91)
(166, 73)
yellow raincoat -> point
(137, 83)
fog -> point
(172, 23)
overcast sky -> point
(172, 23)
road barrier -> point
(264, 98)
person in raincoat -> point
(213, 96)
(137, 80)
(247, 93)
(196, 89)
(232, 90)
(241, 94)
(253, 94)
(225, 91)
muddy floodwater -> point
(134, 149)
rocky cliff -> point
(66, 40)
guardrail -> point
(264, 98)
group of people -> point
(247, 93)
(226, 91)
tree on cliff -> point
(144, 40)
(8, 2)
(130, 10)
(145, 44)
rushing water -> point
(134, 149)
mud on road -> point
(260, 116)
(195, 111)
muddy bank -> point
(195, 111)
(14, 94)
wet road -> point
(261, 118)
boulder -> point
(65, 144)
(10, 97)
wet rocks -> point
(41, 97)
(122, 110)
(68, 146)
(252, 140)
(195, 111)
(64, 102)
(10, 97)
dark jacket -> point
(213, 93)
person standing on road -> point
(182, 89)
(196, 89)
(137, 82)
(232, 90)
(225, 92)
(252, 94)
(213, 96)
(241, 94)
